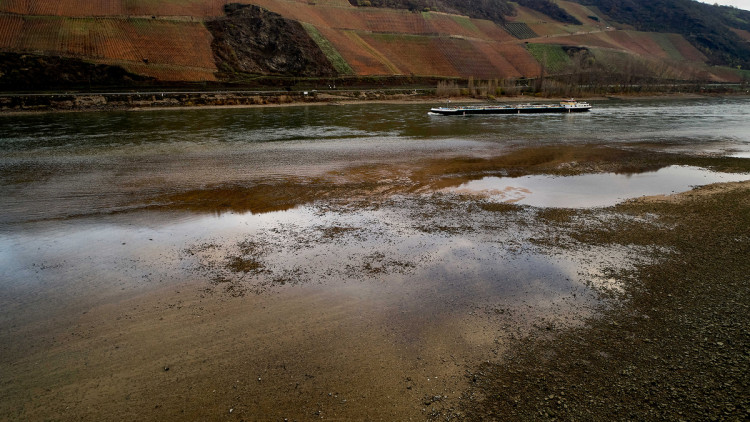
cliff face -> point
(250, 39)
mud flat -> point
(354, 310)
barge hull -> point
(568, 106)
(509, 111)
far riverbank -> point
(102, 101)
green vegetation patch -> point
(552, 57)
(329, 50)
(611, 58)
(465, 23)
(667, 45)
(744, 74)
(406, 38)
(737, 17)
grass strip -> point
(329, 50)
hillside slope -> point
(196, 40)
(709, 28)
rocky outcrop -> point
(250, 39)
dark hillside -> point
(550, 9)
(19, 72)
(736, 17)
(494, 10)
(250, 39)
(703, 25)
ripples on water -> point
(58, 165)
(610, 121)
(55, 165)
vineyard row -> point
(138, 40)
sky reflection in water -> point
(593, 190)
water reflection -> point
(593, 190)
(87, 283)
(382, 255)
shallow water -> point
(58, 165)
(593, 190)
(391, 293)
(93, 282)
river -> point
(303, 262)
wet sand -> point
(373, 330)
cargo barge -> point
(568, 106)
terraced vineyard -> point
(520, 30)
(128, 42)
(382, 41)
(74, 8)
(385, 20)
(169, 41)
(360, 56)
(588, 17)
(646, 44)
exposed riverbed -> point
(350, 262)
